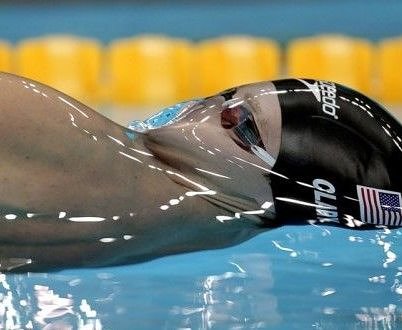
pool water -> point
(294, 277)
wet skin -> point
(60, 156)
(77, 189)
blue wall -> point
(282, 20)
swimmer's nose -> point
(164, 117)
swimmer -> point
(77, 189)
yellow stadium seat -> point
(390, 71)
(234, 60)
(5, 56)
(348, 61)
(70, 64)
(150, 70)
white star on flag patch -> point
(379, 207)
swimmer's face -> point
(231, 139)
(242, 121)
(252, 117)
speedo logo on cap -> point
(325, 93)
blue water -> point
(305, 277)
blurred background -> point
(129, 58)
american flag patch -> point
(379, 207)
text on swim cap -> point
(325, 94)
(328, 98)
(324, 197)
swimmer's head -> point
(229, 141)
(275, 139)
(247, 118)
